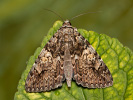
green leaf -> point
(119, 60)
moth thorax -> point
(68, 31)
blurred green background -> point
(24, 23)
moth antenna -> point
(83, 14)
(55, 14)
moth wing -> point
(89, 69)
(47, 71)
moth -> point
(67, 56)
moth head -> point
(66, 23)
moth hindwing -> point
(67, 55)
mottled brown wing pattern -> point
(67, 55)
(89, 69)
(47, 71)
